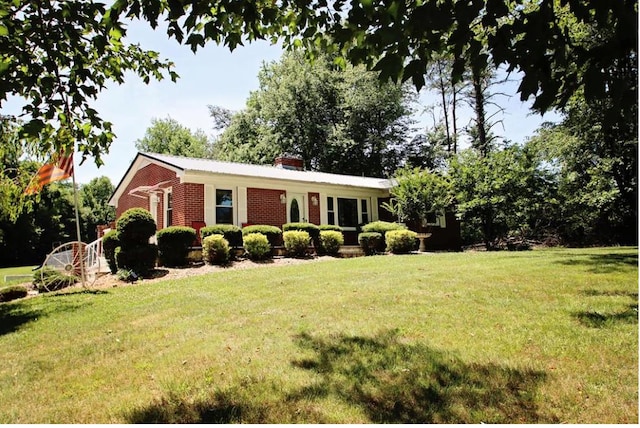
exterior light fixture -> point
(314, 200)
(283, 198)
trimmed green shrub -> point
(296, 242)
(135, 226)
(215, 250)
(174, 243)
(310, 228)
(330, 227)
(370, 242)
(273, 233)
(232, 233)
(382, 227)
(47, 279)
(13, 292)
(401, 241)
(330, 241)
(256, 245)
(110, 242)
(139, 258)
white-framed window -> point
(224, 206)
(347, 212)
(168, 208)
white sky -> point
(212, 76)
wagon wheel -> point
(67, 264)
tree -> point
(95, 208)
(342, 121)
(170, 137)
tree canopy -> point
(59, 54)
(170, 137)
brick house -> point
(181, 191)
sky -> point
(214, 76)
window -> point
(331, 214)
(224, 206)
(365, 211)
(169, 211)
(347, 212)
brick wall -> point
(264, 207)
(314, 210)
(188, 204)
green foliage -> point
(310, 228)
(174, 243)
(401, 241)
(12, 293)
(110, 242)
(256, 245)
(371, 242)
(215, 250)
(167, 136)
(231, 233)
(296, 242)
(139, 258)
(382, 227)
(330, 241)
(47, 279)
(273, 233)
(417, 193)
(330, 227)
(95, 209)
(135, 225)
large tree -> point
(59, 54)
(170, 137)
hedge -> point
(401, 241)
(273, 233)
(256, 246)
(173, 245)
(232, 233)
(370, 242)
(330, 242)
(215, 250)
(296, 242)
(135, 226)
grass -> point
(20, 270)
(543, 336)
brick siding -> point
(264, 207)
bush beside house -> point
(135, 254)
(173, 245)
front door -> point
(296, 211)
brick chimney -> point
(289, 162)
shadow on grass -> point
(603, 263)
(597, 319)
(387, 380)
(14, 316)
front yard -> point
(541, 336)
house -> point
(182, 191)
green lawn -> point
(542, 336)
(21, 270)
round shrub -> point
(12, 292)
(296, 243)
(215, 250)
(232, 233)
(135, 226)
(273, 233)
(110, 242)
(370, 242)
(139, 258)
(310, 228)
(382, 227)
(256, 245)
(401, 241)
(174, 243)
(330, 241)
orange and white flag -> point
(56, 170)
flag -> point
(48, 173)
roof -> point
(264, 171)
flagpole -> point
(79, 238)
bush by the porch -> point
(330, 242)
(382, 227)
(256, 246)
(273, 233)
(139, 258)
(135, 227)
(370, 242)
(296, 242)
(310, 228)
(110, 242)
(232, 233)
(174, 243)
(215, 250)
(401, 241)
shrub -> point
(215, 249)
(370, 242)
(256, 246)
(382, 227)
(273, 233)
(139, 258)
(12, 292)
(110, 242)
(232, 233)
(330, 241)
(401, 241)
(47, 279)
(330, 227)
(174, 243)
(310, 228)
(296, 242)
(135, 226)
